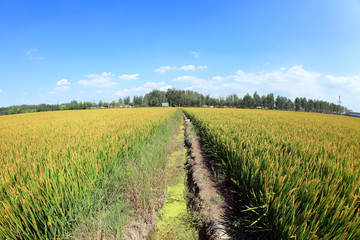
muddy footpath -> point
(194, 207)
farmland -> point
(90, 173)
(72, 172)
(297, 174)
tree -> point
(138, 101)
(281, 103)
(100, 104)
(88, 104)
(257, 100)
(105, 104)
(221, 101)
(303, 103)
(248, 101)
(120, 102)
(63, 107)
(263, 101)
(173, 97)
(155, 98)
(297, 104)
(127, 100)
(270, 102)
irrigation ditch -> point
(194, 207)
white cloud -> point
(352, 82)
(165, 88)
(202, 67)
(187, 68)
(185, 79)
(62, 88)
(198, 84)
(99, 91)
(1, 90)
(120, 93)
(32, 54)
(62, 85)
(52, 93)
(293, 82)
(153, 84)
(350, 85)
(196, 54)
(289, 82)
(163, 69)
(218, 78)
(62, 82)
(143, 89)
(129, 76)
(31, 51)
(104, 80)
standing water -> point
(174, 221)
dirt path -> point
(204, 195)
(174, 221)
(192, 197)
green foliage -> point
(75, 174)
(295, 173)
(181, 98)
(155, 98)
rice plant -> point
(60, 169)
(298, 174)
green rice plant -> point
(62, 170)
(297, 174)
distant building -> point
(164, 104)
(354, 114)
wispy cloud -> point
(62, 85)
(189, 67)
(196, 54)
(104, 80)
(202, 67)
(294, 81)
(62, 82)
(164, 88)
(33, 55)
(142, 89)
(198, 84)
(184, 79)
(290, 82)
(163, 69)
(31, 51)
(1, 90)
(129, 76)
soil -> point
(173, 221)
(193, 196)
(204, 196)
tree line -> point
(187, 98)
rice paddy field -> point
(297, 175)
(86, 174)
(69, 173)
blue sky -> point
(58, 51)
